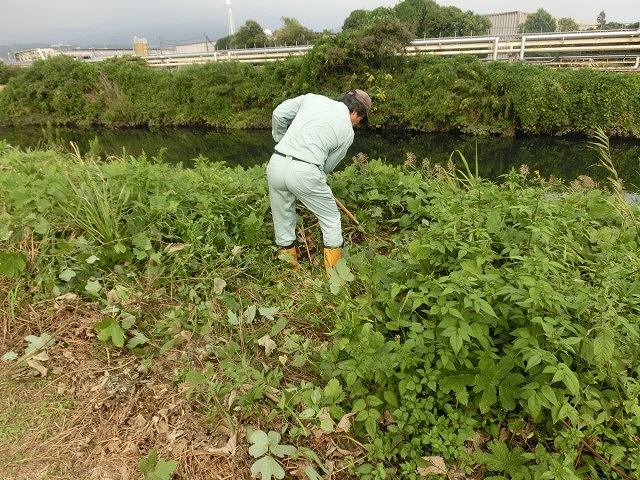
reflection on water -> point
(565, 158)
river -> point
(565, 158)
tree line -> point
(421, 18)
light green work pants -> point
(289, 180)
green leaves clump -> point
(496, 303)
(263, 447)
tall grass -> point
(602, 147)
(97, 209)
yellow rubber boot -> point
(331, 256)
(291, 256)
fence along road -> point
(598, 49)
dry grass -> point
(95, 413)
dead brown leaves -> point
(95, 412)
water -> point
(565, 158)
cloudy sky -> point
(83, 22)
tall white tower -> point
(232, 29)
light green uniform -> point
(313, 133)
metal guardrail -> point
(609, 49)
(247, 55)
(613, 49)
(519, 46)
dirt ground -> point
(86, 413)
(91, 412)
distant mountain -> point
(120, 35)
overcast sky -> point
(54, 21)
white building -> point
(506, 23)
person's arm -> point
(335, 156)
(283, 115)
(338, 153)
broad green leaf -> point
(549, 394)
(268, 312)
(250, 313)
(371, 426)
(148, 463)
(488, 399)
(66, 275)
(362, 415)
(110, 329)
(93, 286)
(508, 390)
(481, 305)
(232, 318)
(276, 448)
(141, 241)
(373, 401)
(340, 276)
(9, 356)
(259, 443)
(535, 407)
(312, 474)
(481, 333)
(127, 320)
(458, 384)
(359, 405)
(603, 347)
(308, 413)
(138, 339)
(194, 377)
(332, 390)
(267, 468)
(571, 381)
(37, 343)
(277, 327)
(391, 398)
(12, 264)
(456, 339)
(163, 470)
(326, 424)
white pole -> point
(232, 29)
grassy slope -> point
(467, 314)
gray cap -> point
(363, 99)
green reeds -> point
(97, 209)
(602, 147)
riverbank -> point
(469, 320)
(416, 94)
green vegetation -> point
(422, 93)
(485, 329)
(6, 72)
(539, 22)
(429, 20)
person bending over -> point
(313, 134)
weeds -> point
(601, 146)
(492, 329)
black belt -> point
(294, 158)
